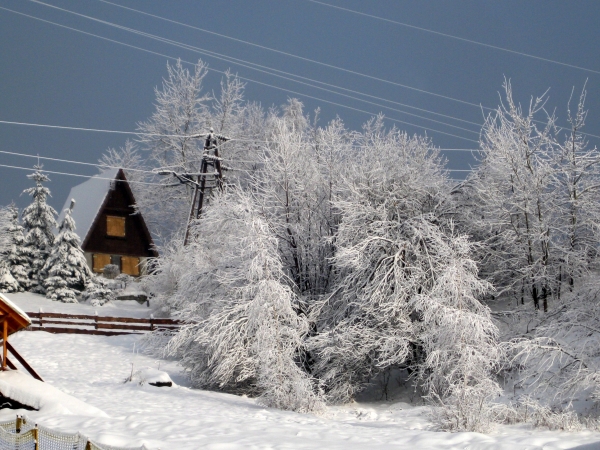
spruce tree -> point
(16, 256)
(67, 269)
(7, 282)
(38, 221)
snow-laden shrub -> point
(457, 335)
(111, 271)
(165, 274)
(242, 332)
(560, 354)
(97, 293)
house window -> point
(116, 260)
(115, 226)
(99, 261)
(130, 265)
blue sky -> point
(52, 75)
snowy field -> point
(93, 369)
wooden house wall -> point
(136, 241)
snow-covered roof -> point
(4, 299)
(89, 197)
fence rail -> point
(98, 325)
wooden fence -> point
(98, 325)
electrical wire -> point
(470, 41)
(229, 60)
(178, 135)
(288, 73)
(233, 61)
(220, 56)
(75, 175)
(305, 59)
(47, 158)
(249, 65)
(241, 78)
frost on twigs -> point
(559, 356)
(243, 334)
(457, 335)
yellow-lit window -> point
(130, 265)
(115, 226)
(99, 261)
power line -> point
(470, 41)
(339, 87)
(90, 129)
(75, 175)
(249, 64)
(47, 158)
(241, 78)
(304, 59)
(281, 71)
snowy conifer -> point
(16, 255)
(38, 221)
(67, 269)
(7, 281)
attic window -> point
(115, 226)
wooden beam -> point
(5, 342)
(23, 362)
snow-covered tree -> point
(182, 111)
(515, 202)
(38, 223)
(67, 269)
(243, 333)
(576, 187)
(5, 224)
(7, 281)
(16, 255)
(456, 334)
(364, 325)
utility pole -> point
(212, 141)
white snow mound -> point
(43, 396)
(148, 375)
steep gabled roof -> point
(89, 197)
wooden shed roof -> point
(17, 319)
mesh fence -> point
(23, 434)
(20, 441)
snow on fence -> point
(23, 434)
(98, 325)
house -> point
(111, 231)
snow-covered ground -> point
(94, 368)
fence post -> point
(151, 322)
(95, 320)
(36, 435)
(41, 323)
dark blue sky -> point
(52, 75)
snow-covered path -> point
(93, 368)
